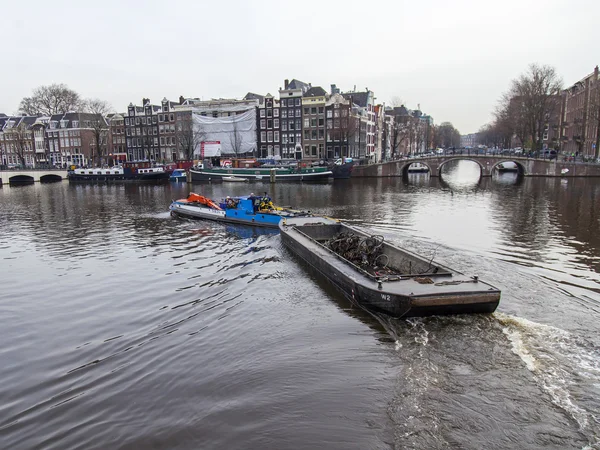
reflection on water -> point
(125, 328)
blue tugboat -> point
(255, 210)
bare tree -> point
(22, 140)
(235, 137)
(348, 129)
(536, 95)
(396, 102)
(49, 100)
(98, 110)
(399, 134)
(189, 135)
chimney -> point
(354, 88)
(286, 83)
(181, 99)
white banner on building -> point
(236, 133)
(210, 149)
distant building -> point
(363, 105)
(269, 127)
(290, 99)
(581, 116)
(469, 140)
(313, 123)
(141, 132)
(341, 127)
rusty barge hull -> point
(429, 290)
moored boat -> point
(261, 173)
(508, 166)
(418, 168)
(253, 210)
(235, 179)
(178, 175)
(381, 276)
(129, 171)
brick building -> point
(313, 123)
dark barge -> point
(404, 285)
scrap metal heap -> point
(367, 253)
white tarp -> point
(236, 132)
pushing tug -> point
(256, 210)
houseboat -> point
(262, 173)
(129, 171)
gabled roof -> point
(316, 91)
(253, 96)
(358, 98)
(297, 84)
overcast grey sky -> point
(453, 57)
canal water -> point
(124, 328)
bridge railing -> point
(538, 155)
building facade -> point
(269, 128)
(340, 126)
(290, 101)
(141, 132)
(580, 116)
(313, 124)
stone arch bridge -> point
(529, 167)
(28, 176)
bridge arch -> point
(404, 168)
(50, 178)
(483, 171)
(520, 167)
(21, 179)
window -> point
(321, 122)
(276, 112)
(154, 118)
(313, 135)
(276, 149)
(270, 150)
(269, 123)
(329, 114)
(276, 136)
(313, 150)
(313, 110)
(306, 134)
(321, 109)
(306, 150)
(313, 122)
(284, 125)
(263, 123)
(269, 113)
(292, 141)
(284, 113)
(298, 112)
(269, 136)
(329, 123)
(262, 113)
(297, 102)
(284, 139)
(275, 123)
(298, 124)
(336, 113)
(321, 150)
(344, 112)
(306, 122)
(292, 125)
(284, 102)
(263, 136)
(76, 124)
(143, 121)
(306, 110)
(321, 134)
(137, 120)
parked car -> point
(548, 154)
(338, 162)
